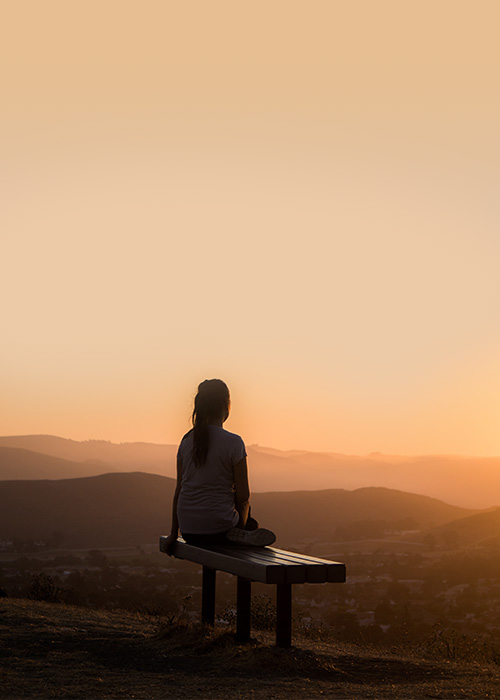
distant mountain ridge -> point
(34, 465)
(137, 456)
(128, 509)
(472, 482)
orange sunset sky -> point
(301, 198)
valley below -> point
(421, 604)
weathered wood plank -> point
(335, 572)
(294, 572)
(222, 561)
(305, 557)
(263, 564)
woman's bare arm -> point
(241, 491)
(174, 530)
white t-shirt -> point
(206, 498)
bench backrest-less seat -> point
(262, 564)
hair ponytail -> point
(211, 401)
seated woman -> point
(211, 499)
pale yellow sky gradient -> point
(298, 197)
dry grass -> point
(58, 651)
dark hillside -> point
(300, 513)
(135, 508)
(479, 529)
(107, 510)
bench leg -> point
(208, 596)
(243, 606)
(283, 614)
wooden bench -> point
(263, 564)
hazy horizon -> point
(297, 198)
(466, 481)
(270, 448)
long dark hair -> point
(210, 403)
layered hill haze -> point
(135, 508)
(471, 482)
(106, 456)
(17, 463)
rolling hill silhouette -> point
(15, 461)
(133, 456)
(105, 510)
(472, 482)
(128, 509)
(301, 515)
(478, 529)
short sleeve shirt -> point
(206, 499)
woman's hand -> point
(168, 546)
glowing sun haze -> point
(298, 197)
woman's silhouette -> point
(211, 499)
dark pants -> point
(217, 537)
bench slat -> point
(294, 571)
(313, 572)
(316, 571)
(306, 557)
(334, 572)
(247, 568)
(263, 564)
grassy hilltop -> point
(59, 651)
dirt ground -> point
(58, 651)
